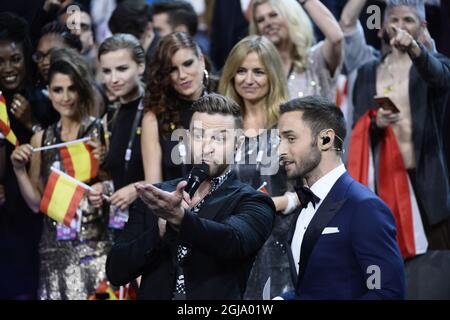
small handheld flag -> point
(5, 127)
(61, 197)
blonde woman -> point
(310, 69)
(253, 76)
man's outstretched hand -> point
(166, 205)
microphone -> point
(198, 174)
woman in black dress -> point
(177, 77)
(122, 62)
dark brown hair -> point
(161, 98)
(215, 103)
(71, 63)
(320, 114)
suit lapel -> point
(327, 210)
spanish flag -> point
(79, 161)
(61, 198)
(105, 292)
(5, 127)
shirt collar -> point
(218, 181)
(322, 187)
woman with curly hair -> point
(177, 77)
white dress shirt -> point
(321, 189)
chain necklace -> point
(387, 66)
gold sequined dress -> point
(72, 269)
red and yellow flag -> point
(264, 190)
(79, 161)
(105, 292)
(5, 127)
(61, 198)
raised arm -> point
(350, 15)
(435, 70)
(28, 181)
(357, 52)
(325, 21)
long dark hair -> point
(161, 98)
(72, 64)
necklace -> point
(387, 67)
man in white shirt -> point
(344, 242)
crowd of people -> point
(134, 78)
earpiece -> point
(325, 140)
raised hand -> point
(166, 205)
(21, 156)
(95, 196)
(21, 109)
(403, 41)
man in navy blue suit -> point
(343, 245)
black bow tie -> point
(305, 195)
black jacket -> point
(231, 226)
(429, 91)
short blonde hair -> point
(300, 28)
(271, 60)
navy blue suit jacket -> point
(338, 265)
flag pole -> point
(60, 145)
(262, 186)
(81, 184)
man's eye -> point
(219, 138)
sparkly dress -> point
(316, 79)
(72, 269)
(257, 163)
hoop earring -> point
(206, 77)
